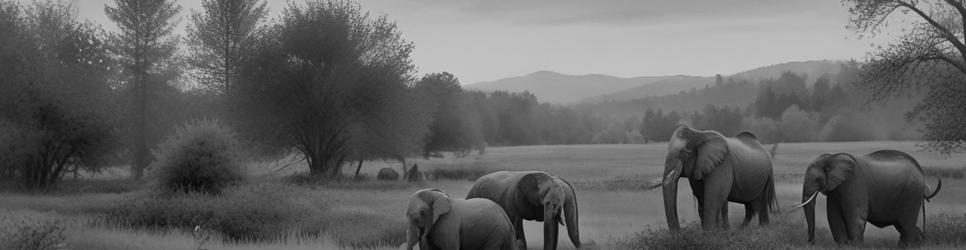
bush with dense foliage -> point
(201, 156)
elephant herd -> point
(884, 188)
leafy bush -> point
(262, 212)
(30, 231)
(201, 156)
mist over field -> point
(382, 124)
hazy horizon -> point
(488, 41)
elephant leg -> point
(716, 189)
(518, 227)
(749, 213)
(761, 205)
(697, 187)
(724, 216)
(855, 221)
(836, 221)
(909, 233)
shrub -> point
(31, 231)
(201, 156)
(253, 213)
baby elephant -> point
(884, 188)
(437, 221)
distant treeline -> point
(784, 109)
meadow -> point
(615, 211)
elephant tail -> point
(770, 200)
(934, 192)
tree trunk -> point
(140, 147)
(358, 167)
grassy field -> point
(613, 209)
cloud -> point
(615, 12)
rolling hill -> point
(560, 88)
(811, 69)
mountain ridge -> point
(560, 88)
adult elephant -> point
(437, 221)
(532, 195)
(720, 169)
(387, 174)
(886, 187)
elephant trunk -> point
(670, 188)
(570, 214)
(809, 202)
(412, 238)
(550, 230)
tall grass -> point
(27, 230)
(256, 213)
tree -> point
(142, 43)
(54, 96)
(327, 77)
(797, 125)
(221, 36)
(453, 129)
(929, 55)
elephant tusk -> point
(808, 201)
(667, 178)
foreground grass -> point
(113, 239)
(785, 232)
(370, 214)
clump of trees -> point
(53, 92)
(787, 109)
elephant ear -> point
(838, 168)
(441, 206)
(530, 186)
(711, 151)
(570, 212)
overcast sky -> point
(483, 40)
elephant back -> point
(501, 187)
(894, 155)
